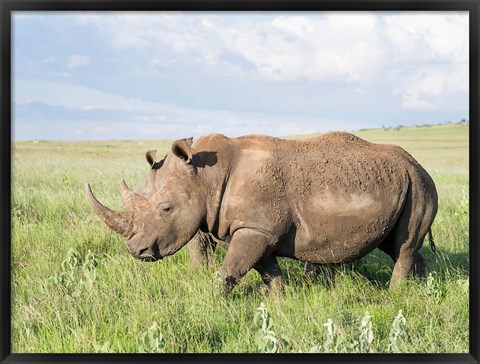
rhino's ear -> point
(181, 148)
(150, 155)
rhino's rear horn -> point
(119, 222)
(126, 192)
(131, 199)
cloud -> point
(51, 59)
(410, 102)
(301, 47)
(429, 35)
(358, 47)
(280, 47)
(431, 56)
(77, 60)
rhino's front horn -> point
(119, 222)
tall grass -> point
(75, 288)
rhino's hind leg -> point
(271, 274)
(247, 248)
(420, 266)
(387, 247)
(403, 267)
(201, 249)
(408, 235)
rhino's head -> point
(163, 216)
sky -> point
(170, 75)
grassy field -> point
(76, 289)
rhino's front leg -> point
(247, 248)
(201, 249)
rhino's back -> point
(332, 162)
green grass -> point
(75, 288)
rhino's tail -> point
(430, 239)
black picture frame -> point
(7, 7)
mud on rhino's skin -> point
(325, 200)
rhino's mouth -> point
(149, 258)
(151, 255)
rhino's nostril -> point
(142, 251)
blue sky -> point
(168, 75)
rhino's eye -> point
(164, 207)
